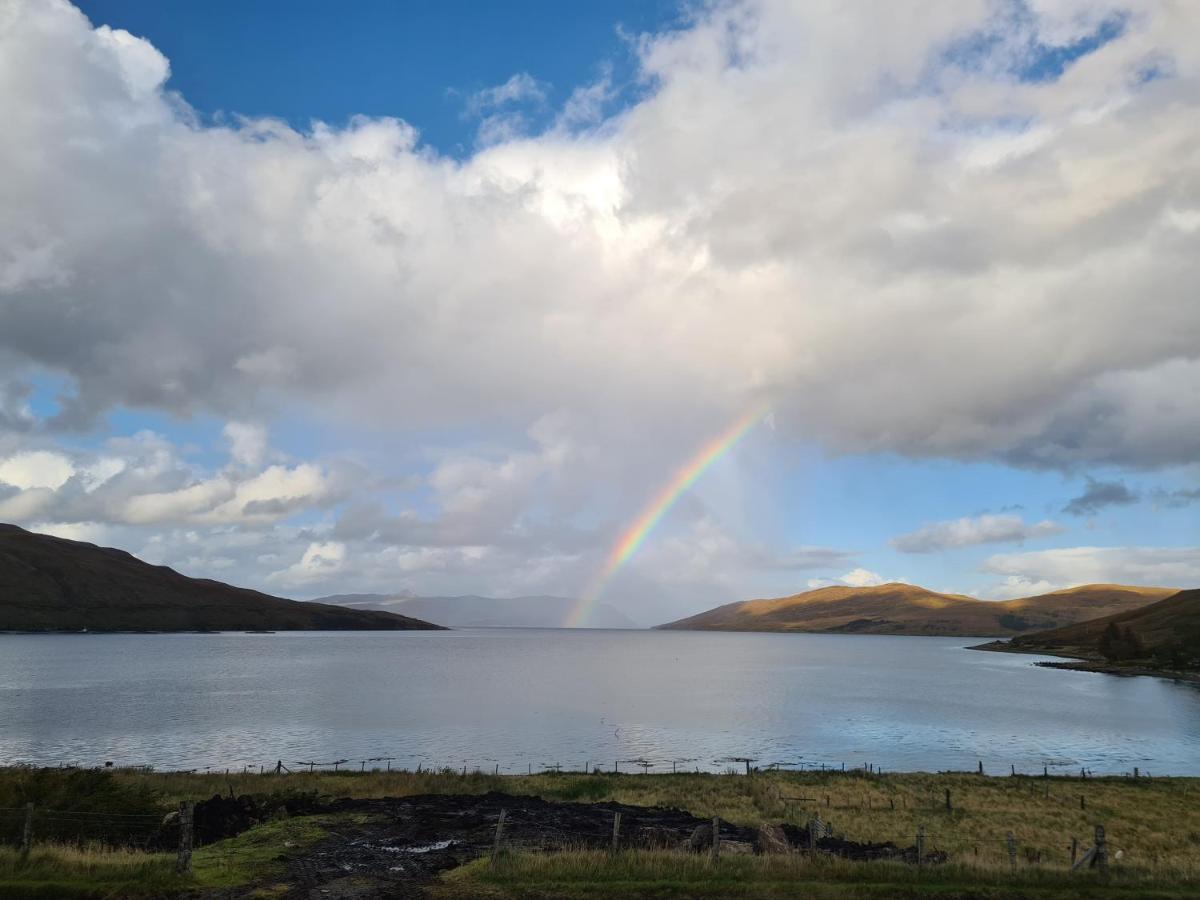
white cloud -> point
(247, 443)
(36, 469)
(1071, 566)
(970, 531)
(854, 578)
(789, 175)
(319, 562)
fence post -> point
(499, 837)
(813, 825)
(1074, 850)
(716, 840)
(27, 833)
(616, 835)
(1101, 851)
(949, 808)
(920, 845)
(1012, 851)
(183, 862)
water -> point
(519, 698)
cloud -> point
(970, 531)
(36, 469)
(785, 176)
(1176, 499)
(519, 88)
(319, 562)
(854, 578)
(247, 442)
(1070, 566)
(1099, 494)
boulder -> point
(771, 839)
(701, 839)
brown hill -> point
(908, 609)
(52, 584)
(1166, 633)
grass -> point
(90, 870)
(1154, 823)
(591, 874)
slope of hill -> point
(51, 584)
(473, 611)
(1161, 638)
(908, 609)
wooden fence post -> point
(1101, 851)
(716, 839)
(616, 835)
(1012, 851)
(497, 843)
(183, 861)
(1074, 850)
(949, 808)
(920, 846)
(27, 833)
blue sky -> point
(419, 61)
(435, 296)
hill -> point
(908, 609)
(1164, 636)
(51, 584)
(473, 611)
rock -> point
(701, 839)
(771, 839)
(737, 848)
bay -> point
(523, 699)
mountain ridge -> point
(52, 584)
(900, 608)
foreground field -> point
(1152, 826)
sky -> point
(439, 297)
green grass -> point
(57, 870)
(592, 874)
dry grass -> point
(1155, 823)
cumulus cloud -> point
(970, 531)
(1099, 494)
(1070, 566)
(789, 175)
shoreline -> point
(1075, 663)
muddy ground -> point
(395, 846)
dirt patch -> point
(391, 847)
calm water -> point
(517, 698)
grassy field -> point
(1152, 825)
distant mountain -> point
(51, 584)
(472, 611)
(908, 609)
(1163, 635)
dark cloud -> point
(1099, 494)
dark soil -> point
(400, 844)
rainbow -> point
(635, 534)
